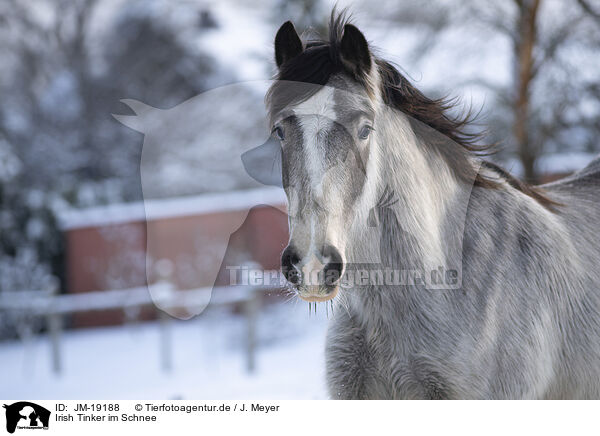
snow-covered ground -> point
(208, 360)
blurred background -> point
(76, 209)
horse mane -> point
(321, 59)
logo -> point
(26, 415)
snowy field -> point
(208, 360)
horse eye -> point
(364, 132)
(278, 132)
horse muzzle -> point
(314, 276)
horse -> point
(516, 314)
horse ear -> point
(288, 44)
(354, 50)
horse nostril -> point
(289, 260)
(334, 268)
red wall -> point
(114, 256)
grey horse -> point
(381, 178)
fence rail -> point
(54, 307)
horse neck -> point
(425, 208)
(427, 202)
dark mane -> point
(321, 59)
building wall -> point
(199, 247)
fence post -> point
(166, 345)
(54, 325)
(164, 271)
(251, 309)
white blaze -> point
(316, 116)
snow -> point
(208, 360)
(560, 163)
(10, 165)
(243, 40)
(556, 163)
(171, 207)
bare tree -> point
(551, 101)
(524, 42)
(61, 77)
(308, 16)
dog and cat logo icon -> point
(26, 415)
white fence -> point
(54, 307)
